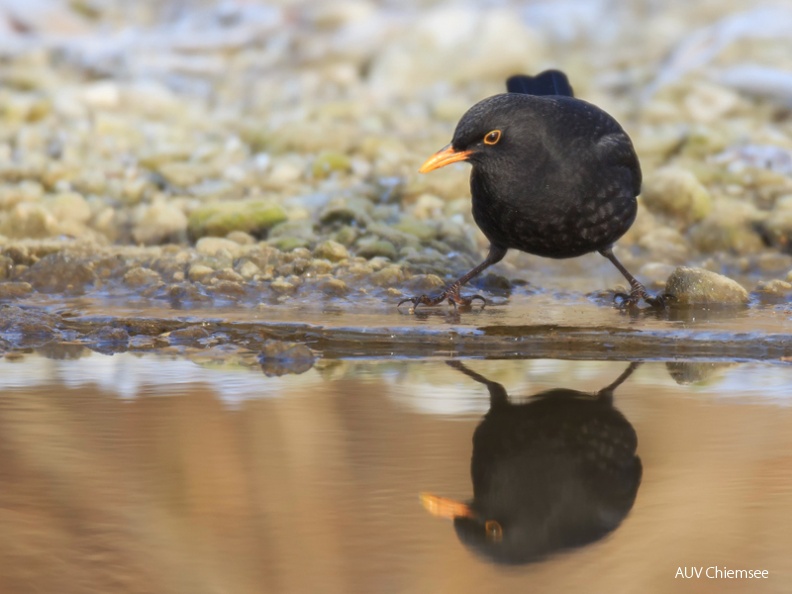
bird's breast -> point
(552, 218)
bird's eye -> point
(492, 137)
(493, 531)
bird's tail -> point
(549, 82)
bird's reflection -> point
(558, 471)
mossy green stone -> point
(327, 163)
(379, 247)
(251, 216)
(288, 244)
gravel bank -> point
(258, 154)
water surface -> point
(145, 473)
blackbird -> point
(552, 175)
(554, 472)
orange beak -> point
(443, 507)
(443, 157)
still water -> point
(149, 474)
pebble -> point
(218, 247)
(221, 218)
(372, 248)
(60, 273)
(677, 193)
(283, 287)
(71, 206)
(13, 290)
(776, 287)
(696, 286)
(141, 277)
(281, 357)
(160, 222)
(248, 270)
(333, 287)
(198, 272)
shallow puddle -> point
(146, 473)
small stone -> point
(346, 235)
(281, 357)
(159, 223)
(108, 340)
(426, 283)
(241, 238)
(6, 267)
(198, 272)
(284, 287)
(334, 287)
(70, 206)
(696, 286)
(229, 274)
(347, 210)
(284, 172)
(377, 247)
(182, 174)
(248, 270)
(28, 220)
(390, 276)
(218, 247)
(255, 217)
(423, 231)
(665, 243)
(227, 288)
(140, 277)
(191, 335)
(288, 244)
(319, 266)
(287, 231)
(730, 227)
(685, 373)
(331, 250)
(777, 228)
(60, 273)
(20, 254)
(677, 193)
(775, 287)
(185, 292)
(13, 290)
(330, 162)
(428, 206)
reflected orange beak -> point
(442, 507)
(443, 157)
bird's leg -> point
(451, 292)
(637, 290)
(498, 395)
(606, 394)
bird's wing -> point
(549, 82)
(616, 150)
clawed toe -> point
(470, 299)
(632, 299)
(423, 300)
(451, 295)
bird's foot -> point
(450, 294)
(633, 298)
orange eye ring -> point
(493, 530)
(492, 137)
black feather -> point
(549, 82)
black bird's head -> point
(494, 129)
